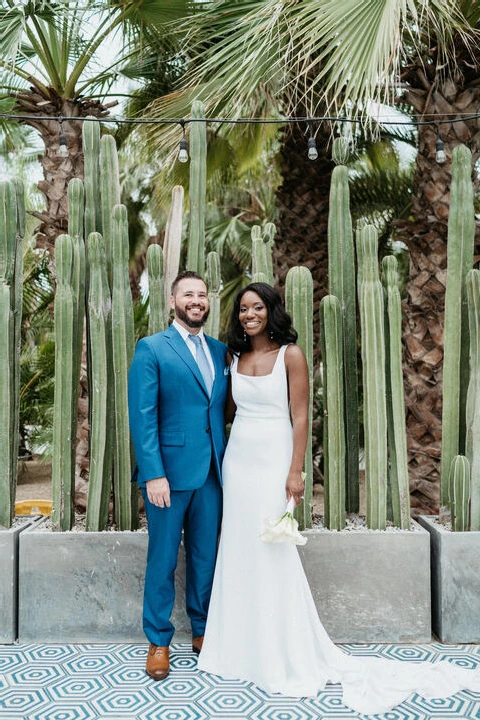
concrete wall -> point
(370, 586)
(455, 560)
(8, 585)
(88, 587)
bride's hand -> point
(295, 486)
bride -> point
(262, 623)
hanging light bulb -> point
(440, 149)
(62, 143)
(183, 147)
(183, 151)
(312, 148)
(440, 152)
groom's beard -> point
(190, 322)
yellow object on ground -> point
(33, 507)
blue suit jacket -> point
(175, 425)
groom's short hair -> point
(183, 275)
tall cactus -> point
(341, 283)
(93, 206)
(156, 290)
(172, 244)
(374, 389)
(91, 160)
(198, 189)
(8, 231)
(359, 253)
(334, 450)
(341, 150)
(16, 301)
(299, 304)
(99, 315)
(102, 192)
(262, 244)
(396, 430)
(259, 255)
(63, 442)
(75, 196)
(461, 231)
(460, 492)
(472, 445)
(109, 193)
(269, 231)
(12, 229)
(122, 353)
(213, 278)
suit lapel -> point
(180, 346)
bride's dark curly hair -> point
(279, 322)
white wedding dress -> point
(262, 624)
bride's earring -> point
(244, 336)
(271, 334)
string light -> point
(312, 145)
(62, 143)
(183, 147)
(440, 149)
(241, 121)
(312, 148)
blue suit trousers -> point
(198, 513)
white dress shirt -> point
(191, 346)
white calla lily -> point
(283, 529)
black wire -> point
(234, 121)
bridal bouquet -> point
(283, 529)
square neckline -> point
(267, 374)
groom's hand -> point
(158, 492)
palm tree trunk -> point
(57, 170)
(303, 201)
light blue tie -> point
(203, 363)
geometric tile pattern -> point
(108, 682)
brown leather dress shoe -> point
(158, 663)
(197, 643)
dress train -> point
(263, 625)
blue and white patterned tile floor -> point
(97, 682)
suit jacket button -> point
(207, 430)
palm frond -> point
(59, 42)
(14, 137)
(244, 58)
(12, 23)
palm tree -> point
(51, 67)
(334, 57)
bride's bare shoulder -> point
(295, 360)
(294, 352)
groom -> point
(177, 391)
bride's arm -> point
(299, 394)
